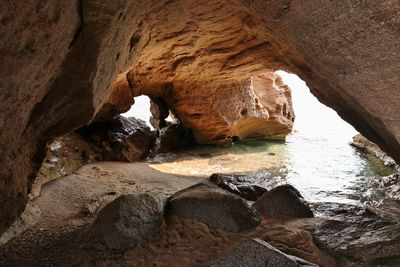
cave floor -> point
(70, 204)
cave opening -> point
(113, 191)
(140, 110)
(317, 157)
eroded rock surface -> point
(59, 61)
(259, 253)
(283, 200)
(215, 207)
(120, 100)
(64, 155)
(129, 220)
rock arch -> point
(60, 61)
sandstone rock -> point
(283, 200)
(120, 100)
(59, 61)
(171, 138)
(120, 138)
(215, 207)
(239, 185)
(257, 253)
(356, 236)
(362, 143)
(128, 220)
(256, 107)
(64, 155)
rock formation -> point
(256, 107)
(60, 59)
(240, 185)
(260, 254)
(217, 208)
(363, 144)
(356, 236)
(119, 138)
(283, 200)
(128, 220)
(172, 138)
(64, 155)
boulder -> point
(258, 253)
(216, 207)
(284, 200)
(356, 236)
(171, 138)
(128, 220)
(240, 185)
(119, 139)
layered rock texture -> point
(60, 59)
(259, 106)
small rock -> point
(257, 253)
(239, 185)
(128, 220)
(216, 207)
(284, 200)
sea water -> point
(316, 158)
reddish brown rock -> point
(119, 100)
(59, 59)
(255, 107)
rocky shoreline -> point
(132, 228)
(123, 218)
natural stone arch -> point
(59, 60)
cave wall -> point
(60, 58)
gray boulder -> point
(240, 185)
(128, 220)
(356, 236)
(216, 207)
(258, 253)
(283, 200)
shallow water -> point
(316, 158)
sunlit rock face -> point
(256, 107)
(59, 61)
